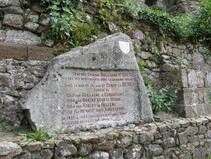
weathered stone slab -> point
(90, 87)
(21, 37)
(9, 50)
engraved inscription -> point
(95, 97)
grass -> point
(38, 135)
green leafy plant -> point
(64, 17)
(160, 19)
(14, 130)
(2, 126)
(162, 100)
(38, 135)
(104, 13)
(84, 33)
(156, 56)
(142, 65)
(195, 26)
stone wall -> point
(177, 7)
(178, 138)
(22, 22)
(179, 65)
(21, 68)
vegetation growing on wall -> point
(162, 100)
(196, 26)
(67, 20)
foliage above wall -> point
(196, 25)
(71, 17)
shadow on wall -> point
(150, 2)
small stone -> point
(192, 130)
(162, 128)
(160, 157)
(183, 138)
(34, 146)
(99, 155)
(169, 67)
(46, 154)
(13, 10)
(49, 43)
(170, 142)
(4, 3)
(45, 21)
(105, 146)
(13, 20)
(113, 27)
(36, 155)
(184, 123)
(33, 18)
(126, 141)
(134, 152)
(165, 57)
(138, 34)
(21, 37)
(116, 154)
(208, 134)
(85, 149)
(155, 150)
(2, 35)
(9, 148)
(146, 138)
(48, 145)
(209, 118)
(151, 64)
(68, 150)
(31, 26)
(145, 55)
(202, 129)
(157, 135)
(38, 8)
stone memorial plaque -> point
(90, 87)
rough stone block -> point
(99, 155)
(145, 55)
(31, 26)
(190, 111)
(202, 109)
(18, 52)
(190, 96)
(2, 35)
(46, 154)
(184, 78)
(34, 18)
(13, 20)
(85, 149)
(116, 154)
(34, 146)
(192, 78)
(7, 148)
(146, 138)
(90, 87)
(200, 79)
(134, 151)
(170, 142)
(67, 150)
(40, 53)
(12, 10)
(138, 34)
(155, 150)
(21, 37)
(5, 80)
